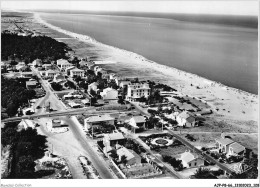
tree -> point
(123, 159)
(113, 154)
(204, 173)
(26, 163)
(56, 86)
(152, 122)
(11, 109)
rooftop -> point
(225, 141)
(237, 148)
(114, 136)
(100, 118)
(124, 151)
(31, 83)
(139, 119)
(187, 157)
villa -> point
(114, 139)
(223, 144)
(132, 158)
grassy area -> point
(173, 151)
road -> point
(205, 156)
(76, 130)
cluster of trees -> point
(130, 144)
(70, 84)
(14, 94)
(204, 173)
(175, 163)
(29, 48)
(26, 147)
(155, 97)
(56, 86)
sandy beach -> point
(229, 103)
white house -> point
(186, 119)
(190, 160)
(137, 122)
(59, 78)
(137, 90)
(26, 123)
(109, 94)
(67, 70)
(77, 72)
(97, 120)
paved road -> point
(205, 156)
(75, 128)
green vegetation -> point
(175, 163)
(26, 147)
(14, 94)
(30, 48)
(204, 173)
(56, 86)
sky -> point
(226, 7)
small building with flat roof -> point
(97, 120)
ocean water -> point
(223, 53)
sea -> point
(218, 48)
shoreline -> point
(229, 104)
(162, 68)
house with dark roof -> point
(190, 160)
(223, 144)
(186, 119)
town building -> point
(109, 94)
(132, 158)
(77, 72)
(113, 139)
(186, 119)
(137, 122)
(97, 120)
(67, 71)
(190, 160)
(137, 90)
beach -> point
(229, 103)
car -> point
(38, 107)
